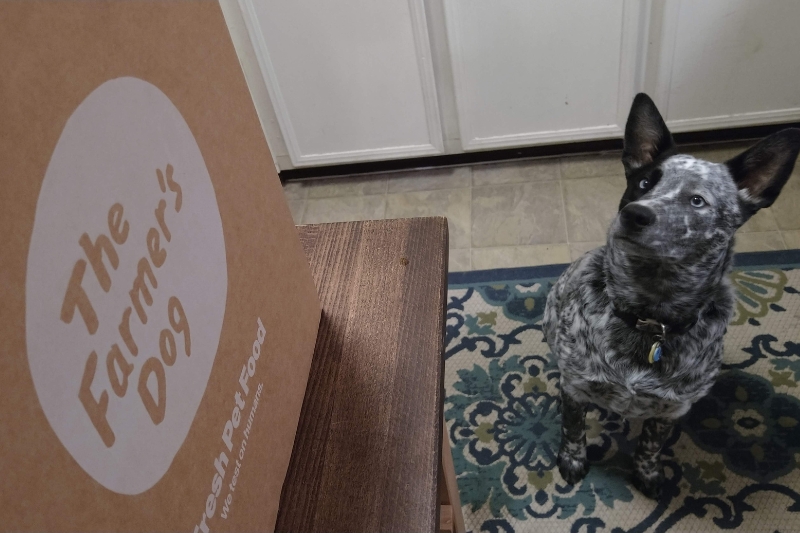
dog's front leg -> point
(572, 455)
(649, 474)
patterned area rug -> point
(730, 464)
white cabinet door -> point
(542, 72)
(729, 63)
(349, 80)
(354, 80)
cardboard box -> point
(157, 314)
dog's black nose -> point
(637, 216)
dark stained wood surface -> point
(368, 446)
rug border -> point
(747, 259)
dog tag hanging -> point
(656, 349)
(655, 352)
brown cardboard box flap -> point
(158, 316)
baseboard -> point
(510, 154)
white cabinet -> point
(350, 80)
(728, 63)
(541, 72)
(358, 80)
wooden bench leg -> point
(451, 519)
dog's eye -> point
(697, 201)
(644, 183)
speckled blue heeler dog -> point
(637, 325)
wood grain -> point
(368, 446)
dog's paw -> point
(572, 469)
(649, 483)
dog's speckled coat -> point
(667, 257)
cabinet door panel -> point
(539, 72)
(734, 62)
(350, 80)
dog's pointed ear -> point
(760, 172)
(646, 134)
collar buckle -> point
(652, 326)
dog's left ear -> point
(761, 171)
(646, 134)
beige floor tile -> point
(297, 207)
(451, 203)
(759, 242)
(791, 239)
(591, 204)
(577, 249)
(786, 208)
(717, 152)
(346, 186)
(520, 214)
(460, 260)
(515, 172)
(430, 179)
(584, 166)
(294, 190)
(763, 220)
(344, 209)
(517, 256)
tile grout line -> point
(528, 181)
(386, 185)
(563, 206)
(783, 239)
(471, 220)
(471, 185)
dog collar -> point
(658, 329)
(651, 325)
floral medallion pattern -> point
(731, 463)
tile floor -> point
(521, 213)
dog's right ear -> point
(761, 171)
(646, 134)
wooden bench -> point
(370, 454)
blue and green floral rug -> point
(732, 463)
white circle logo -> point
(126, 285)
